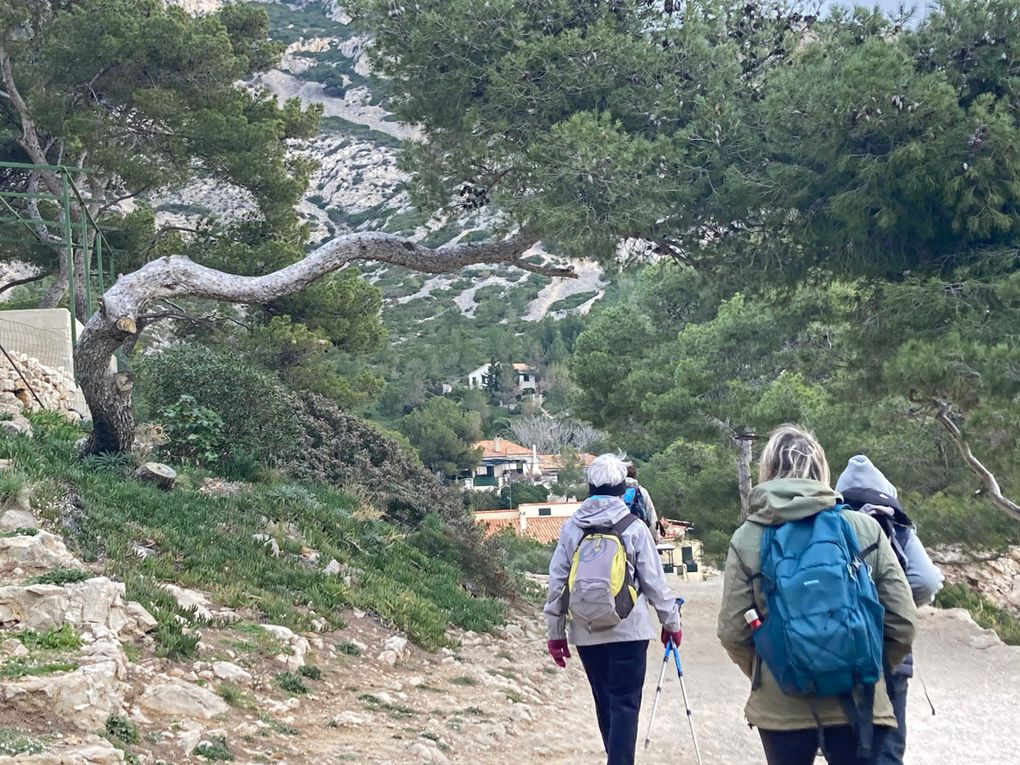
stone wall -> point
(994, 575)
(36, 387)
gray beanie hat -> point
(861, 474)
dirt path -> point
(500, 700)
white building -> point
(525, 379)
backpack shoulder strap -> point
(623, 524)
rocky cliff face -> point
(358, 186)
(994, 575)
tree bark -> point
(744, 456)
(988, 480)
(121, 315)
(163, 476)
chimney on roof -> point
(524, 520)
(535, 467)
(497, 443)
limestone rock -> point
(17, 518)
(178, 698)
(333, 567)
(96, 601)
(17, 426)
(84, 697)
(93, 750)
(35, 554)
(351, 719)
(297, 644)
(388, 657)
(12, 647)
(231, 673)
(199, 603)
(396, 644)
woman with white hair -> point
(603, 575)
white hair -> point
(607, 470)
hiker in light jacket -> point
(794, 484)
(865, 488)
(614, 658)
(653, 519)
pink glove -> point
(676, 637)
(559, 651)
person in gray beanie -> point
(865, 488)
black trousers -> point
(616, 672)
(798, 747)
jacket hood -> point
(600, 511)
(789, 499)
(860, 473)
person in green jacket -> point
(795, 484)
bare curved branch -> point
(988, 480)
(121, 315)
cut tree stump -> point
(158, 473)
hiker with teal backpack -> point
(866, 489)
(815, 610)
(637, 498)
(604, 574)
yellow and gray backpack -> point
(601, 587)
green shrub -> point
(61, 576)
(13, 743)
(121, 729)
(256, 412)
(214, 749)
(172, 642)
(348, 648)
(524, 555)
(194, 432)
(16, 668)
(19, 532)
(311, 672)
(63, 639)
(291, 683)
(984, 612)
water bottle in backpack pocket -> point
(601, 589)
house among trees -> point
(504, 461)
(489, 376)
(501, 459)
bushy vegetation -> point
(411, 578)
(214, 406)
(985, 613)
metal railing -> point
(71, 227)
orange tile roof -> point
(505, 449)
(545, 530)
(519, 367)
(496, 525)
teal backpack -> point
(823, 634)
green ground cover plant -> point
(410, 579)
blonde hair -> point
(793, 453)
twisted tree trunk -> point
(989, 483)
(121, 316)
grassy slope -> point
(207, 543)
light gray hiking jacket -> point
(651, 581)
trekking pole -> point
(662, 674)
(658, 692)
(683, 691)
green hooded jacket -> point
(774, 503)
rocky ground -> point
(81, 685)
